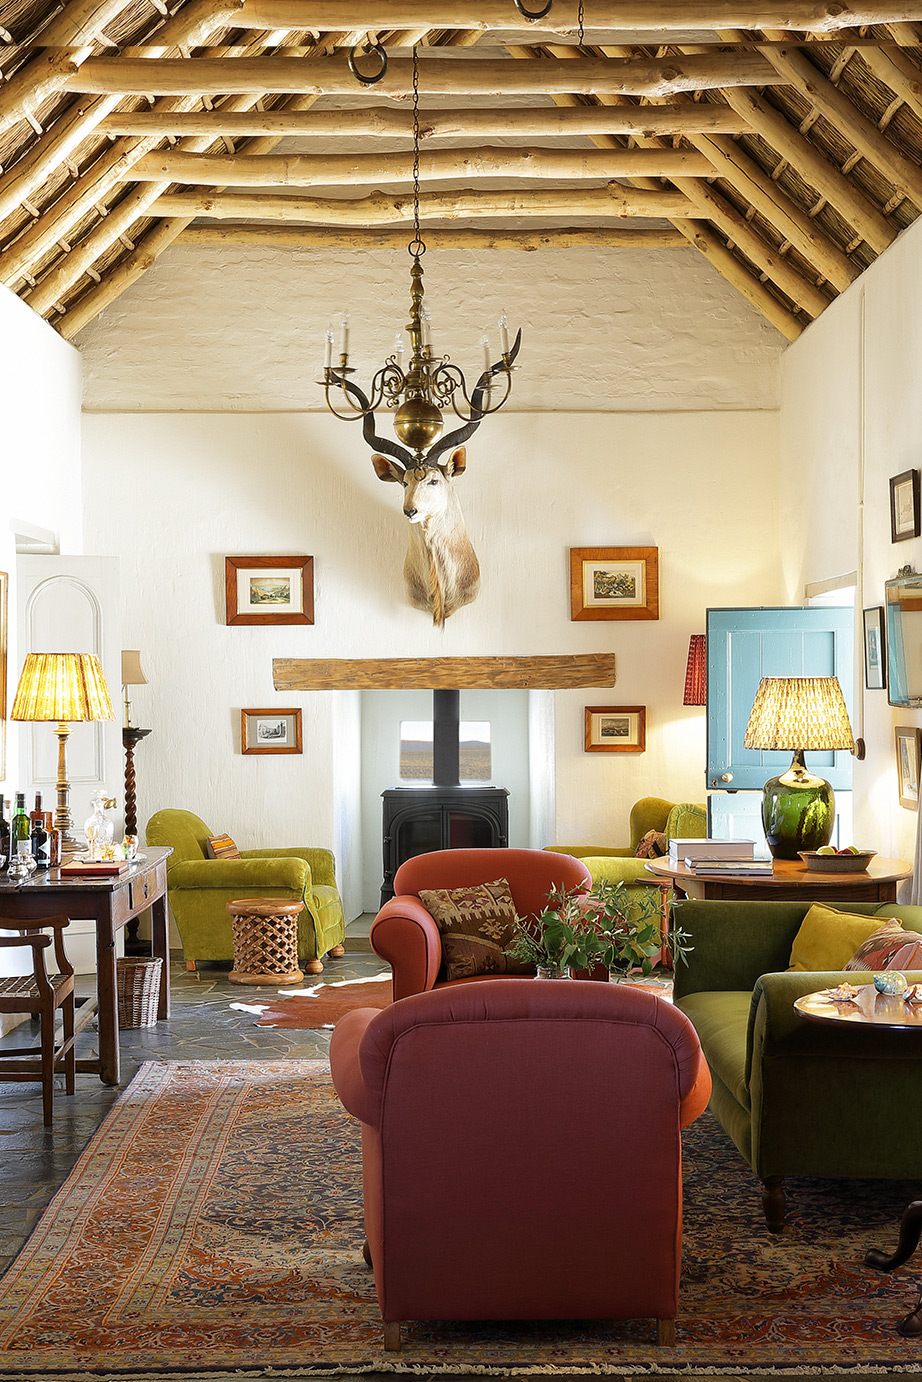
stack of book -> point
(718, 856)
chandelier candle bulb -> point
(504, 334)
(398, 349)
(485, 342)
(328, 351)
(345, 346)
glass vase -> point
(553, 972)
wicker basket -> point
(137, 984)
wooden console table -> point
(789, 881)
(110, 903)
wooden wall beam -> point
(616, 200)
(460, 238)
(386, 122)
(443, 673)
(301, 170)
(816, 16)
(331, 76)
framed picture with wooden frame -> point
(905, 510)
(907, 765)
(616, 728)
(875, 648)
(270, 731)
(269, 590)
(614, 583)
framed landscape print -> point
(270, 731)
(905, 516)
(616, 728)
(875, 649)
(614, 583)
(907, 765)
(269, 590)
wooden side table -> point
(789, 881)
(265, 941)
(873, 1009)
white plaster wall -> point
(171, 495)
(850, 420)
(39, 482)
(604, 329)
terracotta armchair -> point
(470, 1097)
(404, 934)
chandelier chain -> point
(579, 20)
(417, 246)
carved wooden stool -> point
(265, 941)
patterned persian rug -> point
(212, 1229)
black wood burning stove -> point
(445, 815)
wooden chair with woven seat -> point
(40, 995)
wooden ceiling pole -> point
(385, 122)
(330, 76)
(455, 238)
(193, 24)
(797, 69)
(617, 200)
(898, 72)
(345, 170)
(712, 207)
(65, 43)
(828, 181)
(651, 15)
(735, 166)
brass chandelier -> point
(422, 391)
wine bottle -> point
(41, 852)
(4, 834)
(54, 840)
(20, 825)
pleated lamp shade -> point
(799, 713)
(696, 671)
(66, 687)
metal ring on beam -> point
(364, 50)
(533, 14)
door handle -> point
(726, 777)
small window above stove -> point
(475, 761)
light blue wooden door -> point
(745, 645)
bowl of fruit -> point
(828, 859)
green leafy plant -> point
(629, 932)
(561, 936)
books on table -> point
(734, 868)
(696, 851)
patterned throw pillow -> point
(475, 923)
(889, 948)
(653, 845)
(222, 847)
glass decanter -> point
(99, 828)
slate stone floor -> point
(36, 1161)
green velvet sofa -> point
(798, 1098)
(682, 820)
(200, 888)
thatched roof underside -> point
(781, 140)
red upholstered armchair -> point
(403, 932)
(471, 1099)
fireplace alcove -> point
(419, 819)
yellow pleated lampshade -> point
(62, 686)
(799, 713)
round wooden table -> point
(872, 1009)
(789, 881)
(265, 941)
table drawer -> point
(149, 885)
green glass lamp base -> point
(798, 811)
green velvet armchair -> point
(617, 863)
(200, 888)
